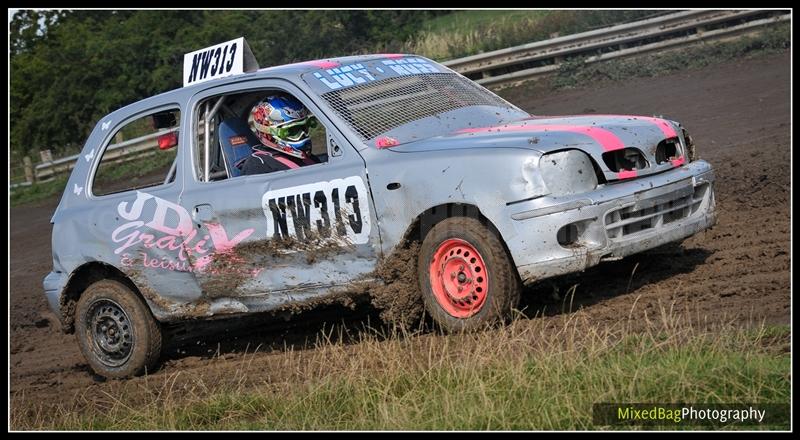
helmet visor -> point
(294, 130)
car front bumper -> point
(560, 235)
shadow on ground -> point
(569, 293)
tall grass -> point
(533, 374)
(464, 33)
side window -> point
(319, 140)
(256, 132)
(213, 110)
(141, 154)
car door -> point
(285, 236)
(134, 211)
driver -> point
(283, 126)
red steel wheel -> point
(466, 277)
(458, 277)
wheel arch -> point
(83, 277)
(426, 220)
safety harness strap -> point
(286, 161)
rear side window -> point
(141, 154)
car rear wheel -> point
(466, 276)
(116, 331)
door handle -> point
(203, 212)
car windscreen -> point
(418, 106)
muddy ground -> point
(738, 114)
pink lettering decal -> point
(202, 262)
(147, 240)
(220, 238)
(166, 242)
(136, 208)
(130, 239)
(199, 247)
(177, 233)
(184, 226)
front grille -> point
(373, 108)
(650, 214)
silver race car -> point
(409, 151)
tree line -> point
(70, 68)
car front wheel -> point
(466, 276)
(116, 332)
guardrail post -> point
(28, 169)
(46, 155)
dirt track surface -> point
(738, 114)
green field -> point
(531, 375)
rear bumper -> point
(611, 222)
(54, 284)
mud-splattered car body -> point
(563, 193)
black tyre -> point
(466, 277)
(116, 331)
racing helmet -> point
(284, 124)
